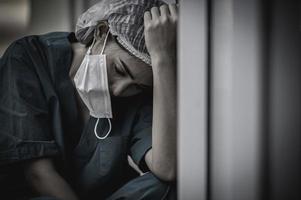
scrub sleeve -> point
(141, 139)
(25, 131)
(146, 186)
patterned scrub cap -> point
(125, 19)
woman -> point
(74, 108)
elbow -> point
(165, 174)
(162, 168)
(170, 176)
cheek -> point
(124, 87)
(147, 78)
(121, 86)
(111, 72)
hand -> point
(160, 30)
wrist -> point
(160, 56)
(163, 60)
(164, 69)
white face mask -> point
(91, 82)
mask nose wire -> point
(109, 131)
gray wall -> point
(23, 17)
(285, 101)
(43, 16)
(245, 143)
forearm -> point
(164, 117)
(46, 181)
(160, 38)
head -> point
(127, 74)
(126, 51)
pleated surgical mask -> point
(91, 82)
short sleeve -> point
(141, 140)
(25, 131)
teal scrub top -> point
(39, 117)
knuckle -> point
(154, 8)
(164, 20)
(174, 19)
(164, 6)
(156, 23)
(151, 26)
(147, 27)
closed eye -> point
(125, 67)
(119, 71)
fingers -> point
(147, 17)
(164, 10)
(173, 10)
(155, 13)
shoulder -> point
(35, 44)
(50, 52)
(36, 57)
(57, 39)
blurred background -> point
(25, 17)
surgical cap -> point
(125, 20)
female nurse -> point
(115, 104)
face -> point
(127, 74)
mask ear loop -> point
(105, 42)
(89, 49)
(109, 131)
(96, 124)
